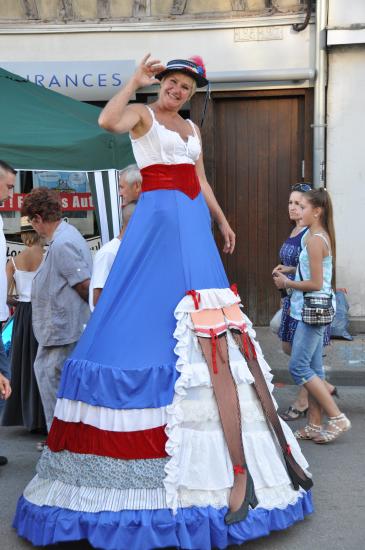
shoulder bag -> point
(317, 310)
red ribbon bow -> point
(247, 345)
(214, 338)
(234, 289)
(195, 296)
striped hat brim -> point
(185, 66)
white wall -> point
(346, 168)
(219, 47)
(223, 49)
(345, 12)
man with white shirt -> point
(104, 259)
(7, 182)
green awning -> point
(44, 130)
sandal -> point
(335, 430)
(292, 413)
(310, 431)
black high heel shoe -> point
(249, 500)
(305, 482)
(335, 393)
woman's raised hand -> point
(146, 71)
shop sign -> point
(70, 202)
(84, 80)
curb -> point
(344, 361)
(349, 377)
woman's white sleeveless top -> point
(23, 282)
(163, 146)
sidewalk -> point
(344, 361)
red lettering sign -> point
(71, 202)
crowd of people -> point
(50, 293)
(162, 430)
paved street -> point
(338, 470)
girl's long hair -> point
(321, 198)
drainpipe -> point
(263, 75)
(319, 123)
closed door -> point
(255, 152)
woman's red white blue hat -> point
(193, 67)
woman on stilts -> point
(163, 428)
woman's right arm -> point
(315, 249)
(117, 116)
(11, 299)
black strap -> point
(301, 278)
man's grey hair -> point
(131, 174)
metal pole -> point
(319, 123)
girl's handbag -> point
(317, 310)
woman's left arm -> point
(215, 210)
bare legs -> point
(318, 391)
(301, 403)
(321, 400)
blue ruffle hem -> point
(190, 529)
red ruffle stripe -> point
(82, 438)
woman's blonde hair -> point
(30, 238)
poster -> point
(76, 182)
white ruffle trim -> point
(44, 492)
(114, 420)
(200, 461)
(269, 498)
(212, 298)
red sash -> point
(182, 177)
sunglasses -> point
(302, 187)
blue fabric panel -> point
(191, 528)
(125, 357)
(112, 387)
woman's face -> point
(176, 89)
(310, 213)
(294, 209)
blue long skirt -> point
(117, 448)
